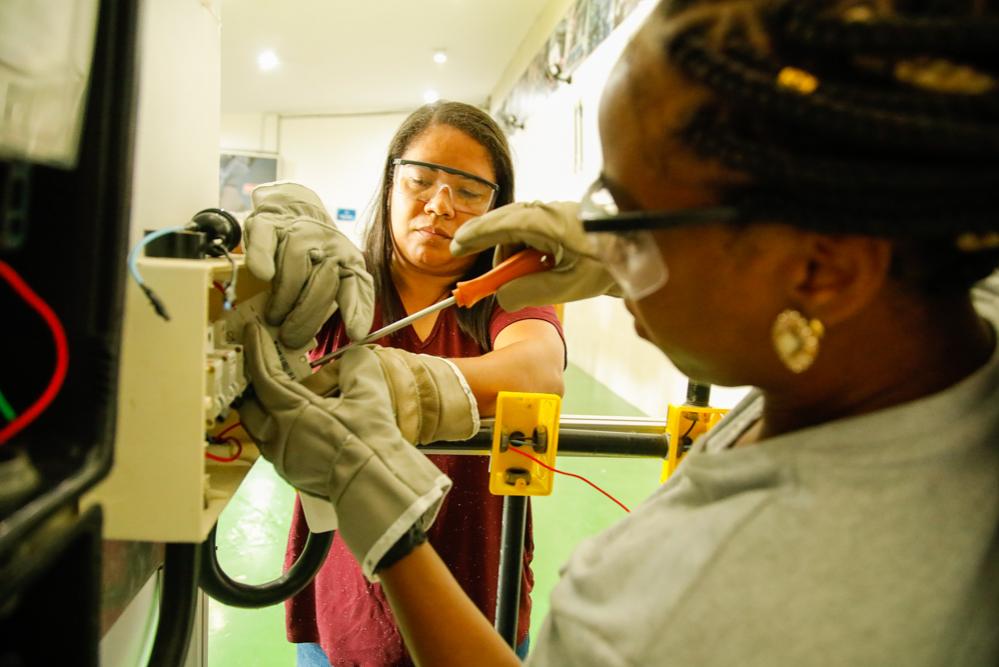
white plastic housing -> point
(177, 378)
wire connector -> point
(155, 301)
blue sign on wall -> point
(346, 214)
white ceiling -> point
(356, 56)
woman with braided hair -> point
(799, 196)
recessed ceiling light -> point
(267, 60)
(431, 96)
(440, 56)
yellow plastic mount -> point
(684, 423)
(531, 420)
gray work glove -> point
(346, 448)
(291, 240)
(431, 400)
(552, 228)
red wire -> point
(227, 429)
(570, 474)
(227, 459)
(62, 352)
(218, 440)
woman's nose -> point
(441, 203)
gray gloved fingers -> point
(538, 224)
(469, 239)
(581, 278)
(356, 299)
(273, 387)
(261, 241)
(358, 366)
(313, 305)
(324, 382)
(353, 290)
(261, 426)
(296, 261)
(482, 233)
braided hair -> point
(877, 117)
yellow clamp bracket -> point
(684, 423)
(526, 423)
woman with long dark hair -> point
(447, 163)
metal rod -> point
(603, 436)
(385, 331)
(511, 565)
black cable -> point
(693, 423)
(220, 586)
(178, 602)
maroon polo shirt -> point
(350, 617)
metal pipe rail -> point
(581, 435)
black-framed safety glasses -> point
(623, 240)
(423, 180)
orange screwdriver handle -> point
(524, 263)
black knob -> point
(217, 224)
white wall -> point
(251, 132)
(557, 155)
(176, 140)
(340, 157)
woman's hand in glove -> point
(552, 228)
(431, 400)
(345, 447)
(314, 269)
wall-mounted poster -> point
(239, 173)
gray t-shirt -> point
(865, 541)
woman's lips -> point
(430, 232)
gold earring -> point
(796, 339)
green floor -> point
(254, 527)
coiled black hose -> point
(220, 586)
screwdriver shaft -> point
(385, 331)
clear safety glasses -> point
(423, 180)
(623, 241)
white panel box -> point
(177, 381)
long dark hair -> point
(378, 249)
(878, 118)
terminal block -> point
(527, 423)
(684, 423)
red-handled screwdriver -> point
(465, 293)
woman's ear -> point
(840, 275)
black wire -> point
(693, 422)
(220, 586)
(178, 602)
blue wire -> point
(133, 256)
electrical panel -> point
(179, 378)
